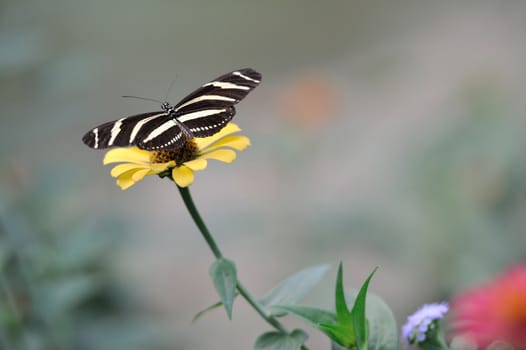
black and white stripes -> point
(202, 113)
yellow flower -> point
(179, 164)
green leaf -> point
(342, 312)
(295, 287)
(208, 309)
(281, 341)
(311, 315)
(322, 320)
(358, 314)
(224, 276)
(383, 331)
(299, 335)
(341, 334)
(336, 346)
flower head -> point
(424, 320)
(495, 311)
(178, 164)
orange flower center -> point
(188, 152)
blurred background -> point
(384, 133)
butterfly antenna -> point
(143, 98)
(170, 88)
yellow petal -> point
(204, 142)
(122, 168)
(223, 155)
(125, 180)
(140, 174)
(160, 167)
(237, 142)
(196, 164)
(131, 155)
(183, 176)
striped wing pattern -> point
(125, 131)
(202, 113)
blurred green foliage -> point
(57, 286)
(470, 192)
(437, 205)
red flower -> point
(495, 311)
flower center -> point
(188, 152)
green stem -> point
(271, 320)
(435, 338)
(188, 201)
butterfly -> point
(202, 113)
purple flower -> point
(419, 323)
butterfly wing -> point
(202, 113)
(126, 131)
(208, 109)
(164, 135)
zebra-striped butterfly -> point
(202, 113)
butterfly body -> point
(202, 113)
